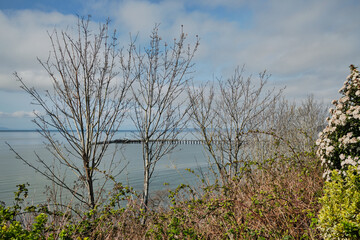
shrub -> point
(339, 141)
(10, 224)
(279, 201)
(339, 217)
(110, 221)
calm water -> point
(170, 169)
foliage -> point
(92, 224)
(10, 225)
(339, 151)
(339, 217)
(339, 141)
(275, 204)
(278, 201)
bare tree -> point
(297, 124)
(85, 107)
(227, 114)
(310, 118)
(161, 73)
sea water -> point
(170, 171)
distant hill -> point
(3, 128)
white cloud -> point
(292, 37)
(306, 45)
(19, 114)
(32, 78)
(293, 40)
(223, 3)
(141, 16)
(24, 38)
(310, 44)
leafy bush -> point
(339, 217)
(339, 141)
(339, 150)
(279, 201)
(10, 225)
(106, 222)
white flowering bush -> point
(339, 142)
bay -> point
(170, 171)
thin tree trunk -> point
(89, 182)
(91, 193)
(146, 180)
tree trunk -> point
(89, 182)
(145, 197)
(91, 193)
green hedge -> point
(339, 217)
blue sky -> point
(305, 45)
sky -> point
(305, 45)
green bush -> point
(10, 224)
(339, 217)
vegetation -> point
(339, 141)
(339, 150)
(266, 179)
(279, 200)
(339, 217)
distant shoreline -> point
(35, 130)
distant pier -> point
(166, 141)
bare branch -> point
(161, 73)
(86, 105)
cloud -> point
(36, 78)
(285, 38)
(222, 3)
(295, 37)
(306, 45)
(19, 114)
(140, 16)
(24, 38)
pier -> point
(166, 141)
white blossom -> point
(349, 161)
(329, 150)
(332, 142)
